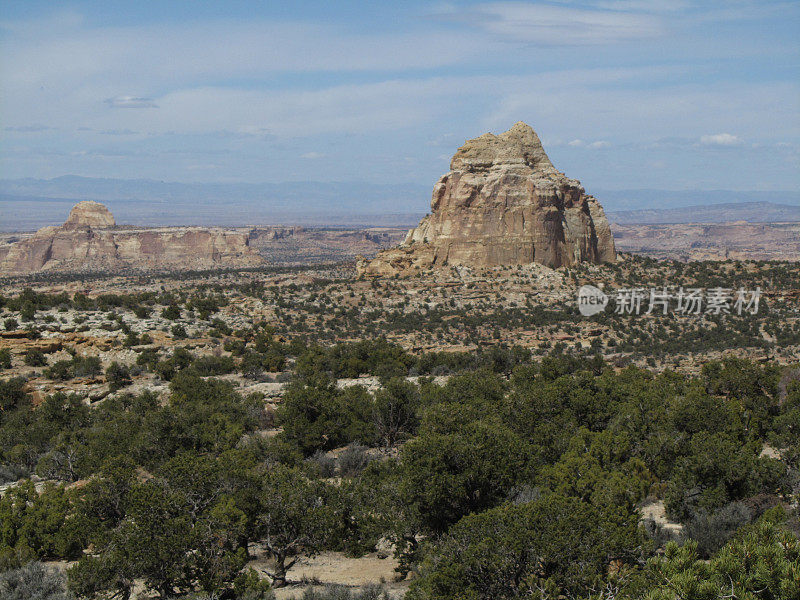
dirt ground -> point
(334, 567)
(655, 510)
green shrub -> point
(181, 359)
(340, 592)
(760, 562)
(717, 470)
(214, 365)
(319, 416)
(324, 464)
(39, 522)
(171, 312)
(61, 370)
(142, 312)
(447, 476)
(78, 366)
(86, 366)
(12, 394)
(353, 460)
(712, 530)
(118, 376)
(28, 312)
(34, 581)
(5, 358)
(148, 358)
(35, 358)
(558, 545)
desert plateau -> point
(400, 301)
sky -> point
(625, 94)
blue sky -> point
(665, 94)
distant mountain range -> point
(27, 204)
(291, 196)
(752, 212)
(32, 203)
(646, 199)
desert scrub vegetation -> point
(537, 462)
(33, 581)
(490, 471)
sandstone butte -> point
(90, 241)
(502, 203)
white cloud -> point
(720, 139)
(118, 132)
(591, 145)
(414, 88)
(647, 6)
(313, 155)
(29, 128)
(585, 108)
(131, 102)
(554, 25)
(173, 55)
(446, 139)
(561, 105)
(342, 109)
(60, 80)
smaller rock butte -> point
(90, 241)
(89, 214)
(502, 203)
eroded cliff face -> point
(502, 203)
(89, 241)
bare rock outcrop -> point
(502, 203)
(90, 241)
(89, 214)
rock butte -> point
(502, 203)
(89, 214)
(90, 241)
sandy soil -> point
(655, 511)
(334, 567)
